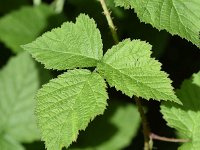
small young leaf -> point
(67, 104)
(68, 47)
(24, 25)
(186, 118)
(112, 131)
(19, 82)
(180, 17)
(129, 67)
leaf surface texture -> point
(67, 104)
(129, 67)
(181, 17)
(70, 46)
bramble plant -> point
(68, 103)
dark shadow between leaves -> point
(54, 21)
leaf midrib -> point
(118, 70)
(62, 52)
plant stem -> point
(59, 4)
(146, 129)
(36, 2)
(161, 138)
(109, 20)
(148, 136)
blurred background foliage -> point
(179, 57)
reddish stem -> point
(166, 139)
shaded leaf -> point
(7, 143)
(19, 82)
(24, 25)
(186, 118)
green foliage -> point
(7, 143)
(112, 131)
(129, 67)
(186, 118)
(68, 47)
(177, 16)
(19, 83)
(68, 103)
(24, 25)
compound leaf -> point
(112, 131)
(19, 82)
(24, 25)
(71, 46)
(67, 104)
(180, 17)
(186, 118)
(129, 67)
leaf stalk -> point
(154, 136)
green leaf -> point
(71, 46)
(19, 82)
(120, 121)
(7, 143)
(180, 17)
(186, 118)
(67, 104)
(24, 25)
(129, 67)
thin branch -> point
(161, 138)
(148, 136)
(146, 129)
(37, 2)
(59, 5)
(109, 20)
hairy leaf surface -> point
(112, 131)
(71, 46)
(67, 104)
(186, 118)
(18, 84)
(180, 17)
(24, 25)
(129, 67)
